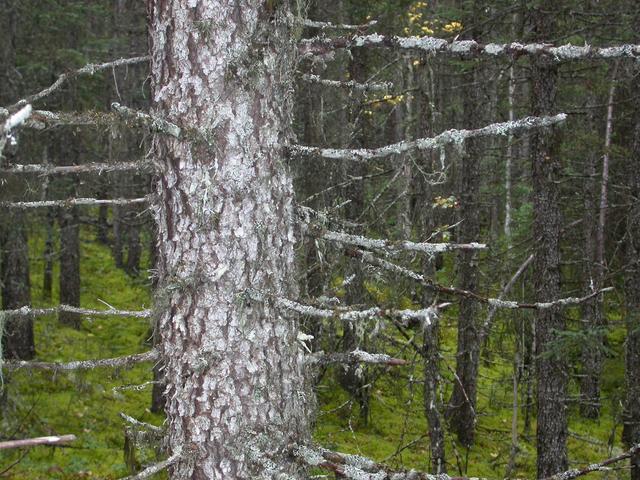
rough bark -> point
(224, 207)
(551, 434)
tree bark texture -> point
(552, 430)
(69, 280)
(235, 390)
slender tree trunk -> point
(69, 265)
(236, 398)
(551, 367)
(631, 432)
(461, 410)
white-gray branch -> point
(34, 312)
(425, 144)
(118, 362)
(73, 202)
(99, 168)
(350, 85)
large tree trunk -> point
(550, 366)
(235, 390)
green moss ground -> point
(85, 404)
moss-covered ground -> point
(86, 404)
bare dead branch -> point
(118, 362)
(468, 48)
(14, 121)
(155, 468)
(156, 124)
(389, 246)
(89, 69)
(350, 85)
(73, 202)
(99, 168)
(33, 442)
(424, 144)
(354, 357)
(34, 312)
(139, 424)
(596, 467)
(368, 257)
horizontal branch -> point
(73, 202)
(141, 425)
(468, 48)
(337, 26)
(596, 467)
(48, 169)
(33, 312)
(354, 357)
(33, 442)
(156, 124)
(350, 85)
(424, 144)
(424, 316)
(118, 362)
(400, 245)
(371, 259)
(88, 69)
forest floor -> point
(88, 404)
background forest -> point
(464, 398)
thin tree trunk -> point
(551, 436)
(69, 265)
(235, 387)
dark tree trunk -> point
(551, 369)
(235, 385)
(461, 409)
(48, 255)
(69, 265)
(17, 339)
(631, 432)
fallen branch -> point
(99, 168)
(88, 69)
(33, 312)
(33, 442)
(468, 48)
(350, 85)
(73, 202)
(354, 357)
(424, 144)
(389, 246)
(118, 362)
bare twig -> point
(73, 202)
(118, 362)
(468, 48)
(32, 442)
(424, 144)
(155, 468)
(88, 69)
(142, 425)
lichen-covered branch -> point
(156, 467)
(468, 48)
(73, 202)
(350, 85)
(34, 312)
(400, 245)
(156, 124)
(337, 26)
(99, 168)
(432, 143)
(14, 121)
(595, 467)
(354, 357)
(143, 425)
(118, 362)
(89, 69)
(32, 442)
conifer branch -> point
(354, 357)
(73, 202)
(33, 442)
(99, 168)
(156, 467)
(337, 26)
(350, 85)
(447, 137)
(34, 312)
(468, 48)
(117, 362)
